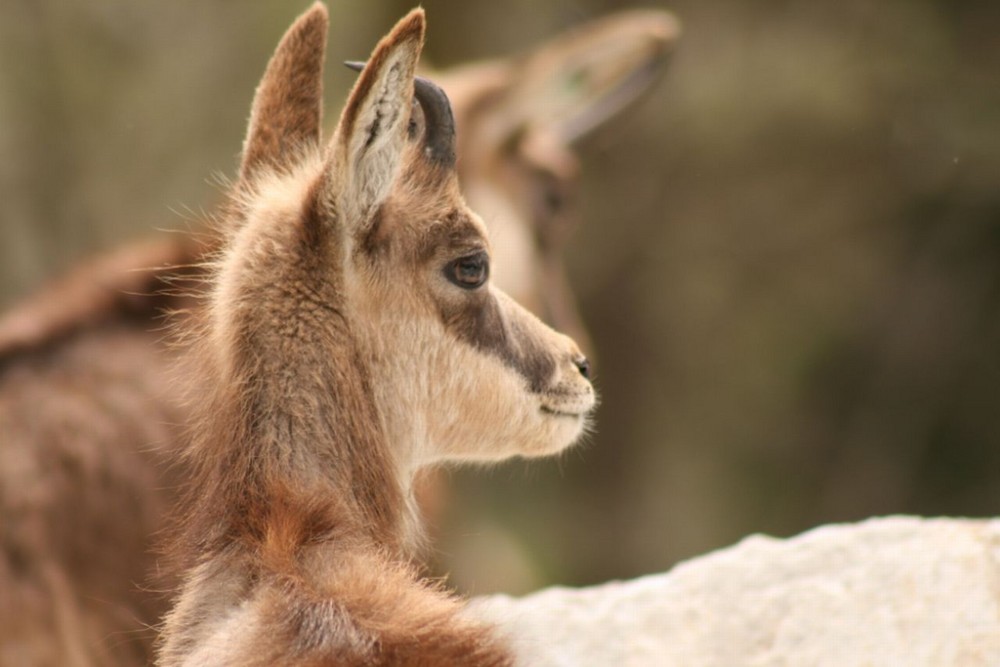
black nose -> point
(583, 366)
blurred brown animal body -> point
(86, 404)
(350, 336)
(89, 405)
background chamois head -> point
(519, 122)
(357, 274)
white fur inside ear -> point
(379, 132)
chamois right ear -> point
(288, 105)
(372, 132)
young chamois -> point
(88, 402)
(351, 336)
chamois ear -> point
(580, 79)
(288, 105)
(372, 132)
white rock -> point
(897, 591)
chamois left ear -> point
(372, 132)
(287, 107)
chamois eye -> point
(469, 272)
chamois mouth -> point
(555, 412)
(568, 404)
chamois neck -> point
(293, 422)
(311, 437)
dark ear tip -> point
(355, 65)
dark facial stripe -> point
(481, 322)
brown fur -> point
(296, 103)
(88, 403)
(295, 534)
(83, 493)
(86, 409)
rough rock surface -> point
(896, 591)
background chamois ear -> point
(371, 134)
(288, 105)
(582, 78)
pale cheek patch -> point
(484, 411)
(490, 414)
(448, 401)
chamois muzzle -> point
(439, 137)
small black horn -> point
(439, 137)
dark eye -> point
(469, 272)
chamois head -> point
(356, 275)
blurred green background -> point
(789, 258)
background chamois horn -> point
(440, 135)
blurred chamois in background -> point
(787, 260)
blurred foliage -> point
(789, 256)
